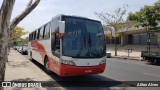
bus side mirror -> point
(113, 32)
(62, 27)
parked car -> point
(108, 54)
(14, 47)
(19, 48)
(24, 50)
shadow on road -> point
(153, 63)
(93, 81)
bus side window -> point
(29, 37)
(35, 35)
(41, 33)
(57, 45)
(44, 30)
(47, 31)
(57, 41)
(38, 32)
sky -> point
(86, 8)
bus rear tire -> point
(31, 56)
(46, 65)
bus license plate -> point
(88, 71)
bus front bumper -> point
(68, 70)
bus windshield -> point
(83, 38)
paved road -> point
(126, 70)
(118, 70)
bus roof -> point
(60, 15)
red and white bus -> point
(69, 46)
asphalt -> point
(127, 70)
(120, 70)
(117, 70)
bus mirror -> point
(61, 26)
(112, 31)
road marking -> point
(151, 74)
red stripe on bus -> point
(39, 48)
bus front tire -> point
(46, 65)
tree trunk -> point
(6, 28)
(5, 15)
(115, 48)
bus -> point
(69, 46)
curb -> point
(127, 58)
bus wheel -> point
(46, 65)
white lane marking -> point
(151, 74)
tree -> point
(148, 17)
(7, 26)
(16, 34)
(115, 20)
(157, 8)
(22, 41)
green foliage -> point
(16, 34)
(157, 8)
(22, 41)
(147, 17)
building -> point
(131, 35)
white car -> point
(19, 49)
(108, 54)
(24, 50)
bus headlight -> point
(103, 61)
(67, 62)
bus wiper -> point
(81, 47)
(97, 53)
(102, 42)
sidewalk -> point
(123, 54)
(19, 68)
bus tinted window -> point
(47, 31)
(31, 36)
(83, 38)
(54, 27)
(35, 35)
(41, 33)
(38, 31)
